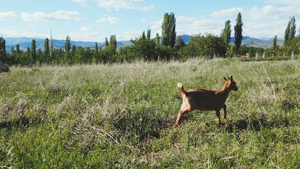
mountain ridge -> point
(25, 42)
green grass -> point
(121, 115)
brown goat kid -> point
(201, 99)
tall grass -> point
(120, 115)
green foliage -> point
(169, 30)
(275, 46)
(226, 33)
(290, 31)
(207, 46)
(144, 47)
(168, 47)
(2, 50)
(33, 51)
(179, 43)
(238, 31)
(121, 116)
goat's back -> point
(201, 99)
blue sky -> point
(93, 20)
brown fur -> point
(201, 99)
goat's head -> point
(230, 84)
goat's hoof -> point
(176, 125)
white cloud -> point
(156, 25)
(15, 33)
(85, 36)
(131, 35)
(109, 19)
(272, 12)
(81, 2)
(85, 28)
(206, 26)
(143, 20)
(264, 30)
(6, 16)
(191, 25)
(58, 15)
(147, 8)
(285, 2)
(227, 12)
(117, 4)
(184, 19)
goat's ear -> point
(231, 78)
(225, 78)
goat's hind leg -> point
(179, 116)
(224, 111)
(218, 116)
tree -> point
(287, 33)
(157, 40)
(68, 44)
(226, 34)
(179, 43)
(207, 46)
(110, 49)
(292, 28)
(238, 31)
(144, 48)
(113, 41)
(148, 34)
(67, 56)
(46, 49)
(106, 42)
(169, 30)
(33, 50)
(290, 31)
(18, 49)
(2, 50)
(73, 50)
(274, 46)
(96, 48)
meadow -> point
(121, 116)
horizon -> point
(93, 20)
(30, 38)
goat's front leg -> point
(218, 116)
(224, 111)
(180, 114)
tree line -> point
(168, 46)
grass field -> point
(121, 115)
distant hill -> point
(25, 42)
(248, 41)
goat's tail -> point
(180, 87)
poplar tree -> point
(287, 33)
(292, 28)
(96, 48)
(113, 41)
(2, 50)
(238, 31)
(67, 44)
(46, 47)
(33, 50)
(67, 57)
(106, 42)
(226, 35)
(169, 30)
(157, 40)
(18, 49)
(290, 31)
(148, 34)
(275, 47)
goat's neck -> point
(225, 90)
